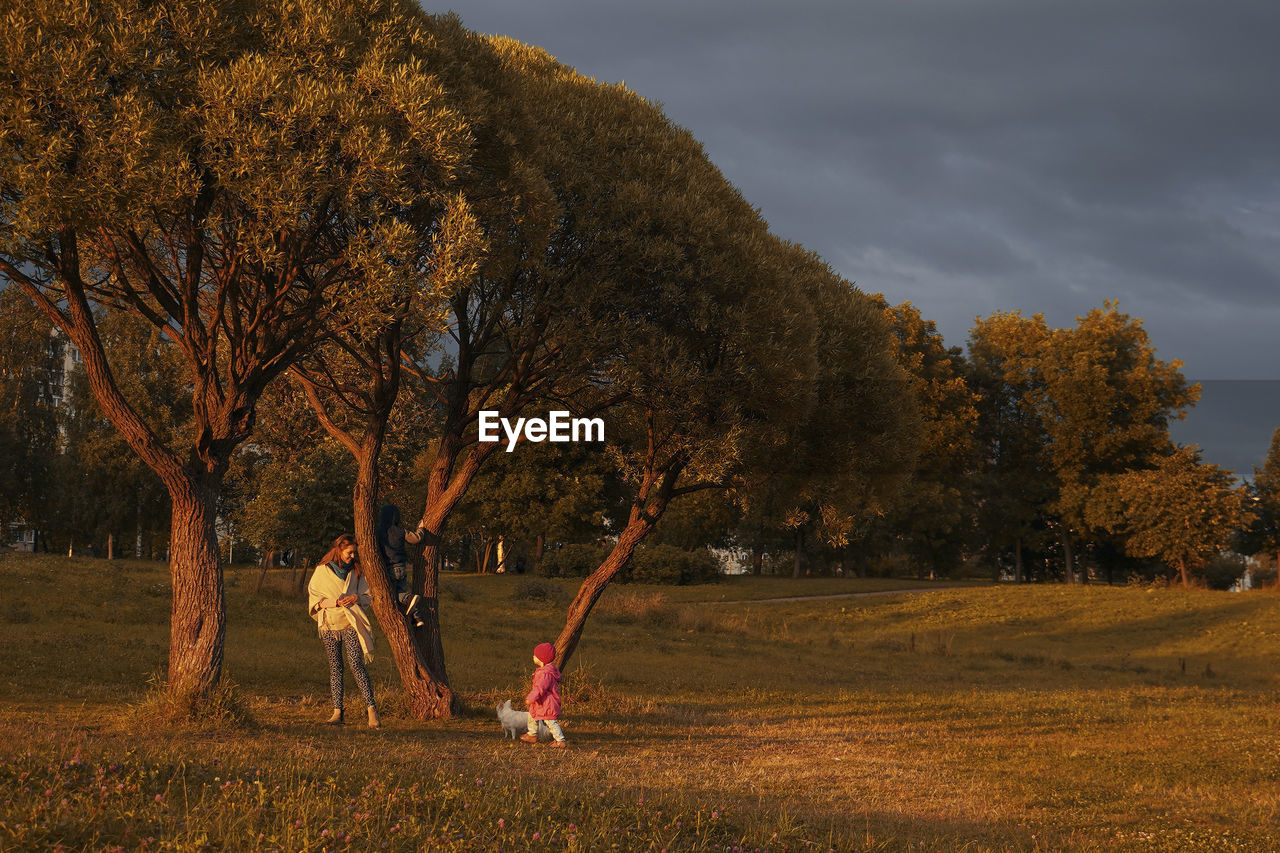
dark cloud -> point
(986, 155)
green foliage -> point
(666, 564)
(1221, 571)
(1064, 409)
(30, 378)
(1263, 533)
(571, 561)
(103, 487)
(933, 515)
(290, 489)
(1182, 511)
(650, 564)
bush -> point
(457, 591)
(1222, 571)
(670, 565)
(661, 564)
(534, 589)
(571, 561)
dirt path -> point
(836, 595)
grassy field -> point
(701, 718)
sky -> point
(978, 156)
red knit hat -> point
(545, 652)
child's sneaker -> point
(411, 611)
(560, 743)
(528, 738)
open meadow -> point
(700, 718)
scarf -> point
(330, 585)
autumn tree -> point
(1181, 511)
(245, 177)
(841, 465)
(1101, 399)
(288, 487)
(1014, 480)
(932, 521)
(1262, 535)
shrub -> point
(456, 591)
(534, 589)
(1222, 571)
(660, 564)
(571, 561)
(670, 565)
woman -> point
(337, 593)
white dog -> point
(516, 723)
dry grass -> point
(990, 718)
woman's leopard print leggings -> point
(334, 642)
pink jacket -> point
(543, 700)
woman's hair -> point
(335, 551)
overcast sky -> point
(975, 156)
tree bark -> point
(267, 559)
(652, 498)
(1068, 556)
(757, 560)
(198, 616)
(593, 587)
(428, 692)
(799, 540)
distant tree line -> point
(298, 250)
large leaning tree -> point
(247, 176)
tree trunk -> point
(198, 617)
(1017, 560)
(593, 587)
(111, 546)
(428, 693)
(429, 638)
(652, 499)
(799, 556)
(757, 560)
(1186, 577)
(1068, 556)
(267, 559)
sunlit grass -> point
(984, 718)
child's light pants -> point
(553, 725)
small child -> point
(543, 700)
(392, 539)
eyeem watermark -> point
(557, 427)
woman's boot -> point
(336, 719)
(373, 718)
